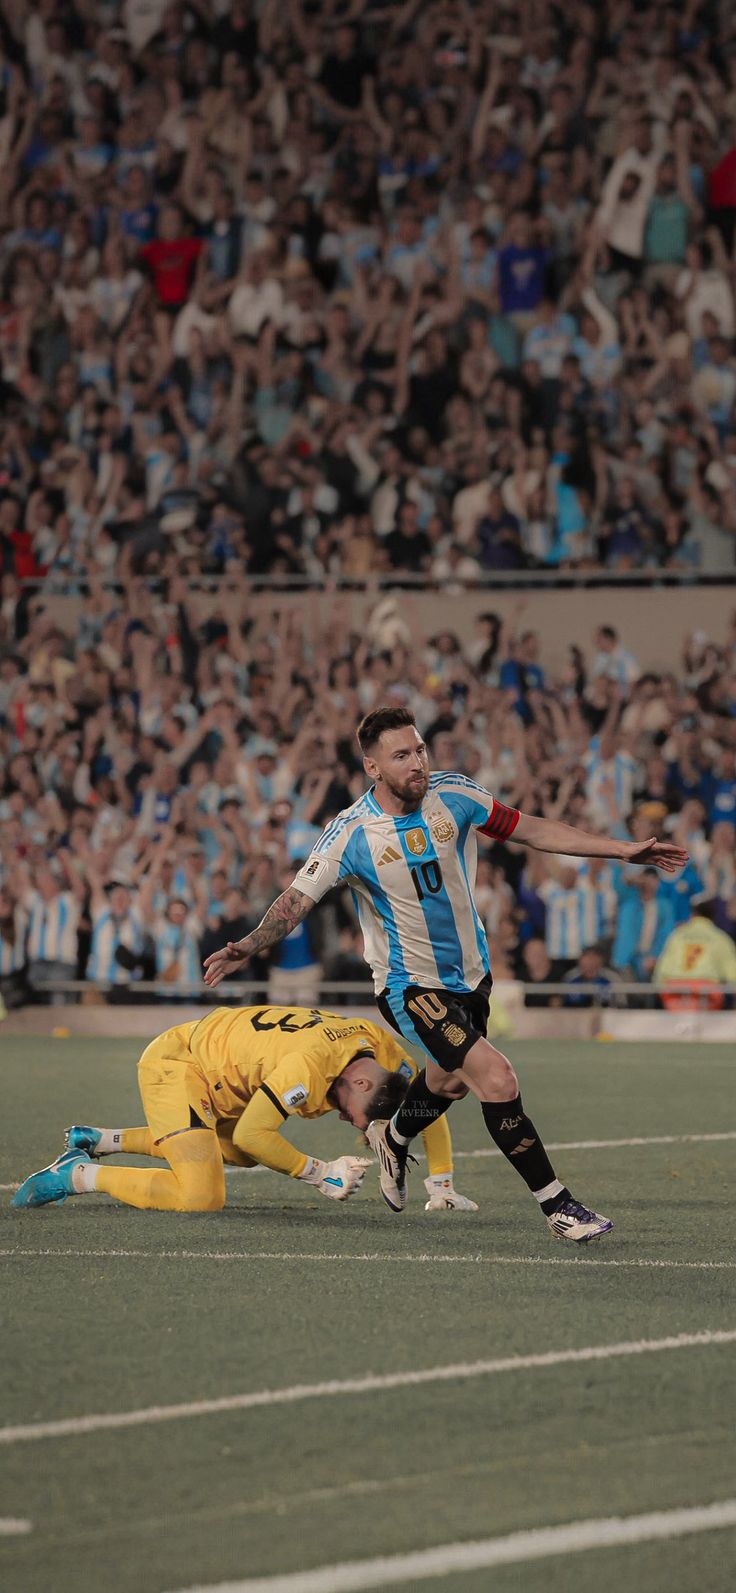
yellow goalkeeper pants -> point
(195, 1180)
(171, 1095)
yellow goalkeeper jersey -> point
(697, 950)
(295, 1054)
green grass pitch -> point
(164, 1506)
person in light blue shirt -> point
(117, 936)
(682, 890)
(176, 935)
(646, 916)
(722, 806)
(408, 850)
(53, 923)
(549, 340)
(575, 916)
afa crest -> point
(442, 830)
(416, 841)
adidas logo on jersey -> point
(389, 856)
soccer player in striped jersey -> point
(408, 850)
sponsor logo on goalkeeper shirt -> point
(296, 1096)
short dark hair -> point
(388, 1096)
(371, 728)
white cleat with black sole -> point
(576, 1222)
(392, 1160)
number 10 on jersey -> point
(426, 879)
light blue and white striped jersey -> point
(603, 885)
(612, 780)
(177, 948)
(412, 880)
(576, 918)
(107, 934)
(52, 927)
(13, 951)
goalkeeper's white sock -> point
(111, 1141)
(84, 1178)
(438, 1181)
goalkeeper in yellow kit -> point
(220, 1090)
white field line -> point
(576, 1537)
(555, 1145)
(424, 1258)
(298, 1392)
(12, 1527)
(609, 1144)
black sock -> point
(419, 1108)
(514, 1134)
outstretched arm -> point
(551, 835)
(283, 915)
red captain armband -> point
(501, 822)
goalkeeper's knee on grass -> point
(195, 1180)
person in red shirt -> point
(172, 258)
(16, 544)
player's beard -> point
(411, 792)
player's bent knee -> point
(196, 1163)
(507, 1077)
(201, 1196)
(214, 1200)
(490, 1073)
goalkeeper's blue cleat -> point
(80, 1137)
(576, 1222)
(52, 1184)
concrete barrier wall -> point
(509, 1020)
(652, 622)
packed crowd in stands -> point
(349, 291)
(167, 766)
(363, 286)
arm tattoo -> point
(283, 915)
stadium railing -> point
(243, 990)
(69, 586)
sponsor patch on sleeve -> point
(314, 867)
(296, 1096)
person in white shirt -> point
(704, 288)
(622, 214)
(469, 503)
(613, 660)
(257, 298)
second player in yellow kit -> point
(220, 1090)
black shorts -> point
(444, 1023)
